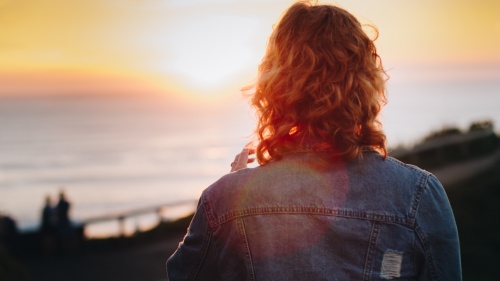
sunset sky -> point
(210, 48)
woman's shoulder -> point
(390, 163)
(396, 171)
(398, 164)
(229, 184)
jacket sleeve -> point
(437, 231)
(189, 262)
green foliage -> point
(481, 125)
(447, 131)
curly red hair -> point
(321, 86)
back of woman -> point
(326, 203)
(369, 219)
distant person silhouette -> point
(49, 216)
(62, 210)
(48, 229)
(66, 239)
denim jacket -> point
(367, 219)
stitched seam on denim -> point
(414, 254)
(223, 218)
(418, 196)
(371, 252)
(246, 248)
(428, 256)
(423, 175)
(420, 233)
(212, 221)
(203, 252)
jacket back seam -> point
(201, 257)
(246, 249)
(371, 252)
(428, 257)
(224, 218)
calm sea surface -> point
(114, 154)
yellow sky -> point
(210, 46)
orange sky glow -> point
(211, 48)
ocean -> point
(118, 153)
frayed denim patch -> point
(391, 264)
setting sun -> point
(211, 50)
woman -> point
(325, 203)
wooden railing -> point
(449, 150)
(120, 217)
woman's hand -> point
(241, 160)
